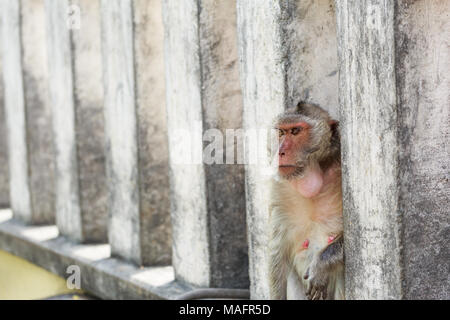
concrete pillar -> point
(395, 125)
(136, 134)
(89, 118)
(203, 92)
(68, 215)
(77, 99)
(28, 113)
(41, 153)
(4, 166)
(15, 110)
(288, 53)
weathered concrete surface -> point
(137, 153)
(31, 151)
(41, 155)
(101, 275)
(15, 110)
(422, 36)
(89, 121)
(369, 141)
(222, 110)
(287, 53)
(4, 166)
(207, 201)
(309, 40)
(68, 215)
(394, 123)
(120, 112)
(153, 161)
(188, 202)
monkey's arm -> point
(278, 267)
(322, 267)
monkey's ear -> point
(334, 126)
(300, 105)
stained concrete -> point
(4, 164)
(187, 182)
(68, 215)
(40, 145)
(137, 170)
(15, 110)
(309, 40)
(203, 92)
(422, 36)
(120, 112)
(395, 126)
(153, 154)
(75, 66)
(89, 121)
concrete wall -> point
(89, 119)
(4, 166)
(202, 92)
(28, 121)
(422, 36)
(309, 40)
(75, 66)
(41, 156)
(395, 127)
(68, 212)
(15, 111)
(377, 66)
(137, 167)
(153, 152)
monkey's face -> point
(293, 140)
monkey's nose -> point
(281, 154)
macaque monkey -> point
(306, 243)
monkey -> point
(306, 256)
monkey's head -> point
(309, 142)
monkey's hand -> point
(320, 269)
(317, 278)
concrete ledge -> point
(101, 275)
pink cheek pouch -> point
(311, 183)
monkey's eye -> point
(280, 132)
(294, 131)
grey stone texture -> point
(15, 110)
(153, 154)
(68, 212)
(89, 120)
(310, 45)
(395, 126)
(137, 170)
(288, 53)
(41, 155)
(4, 164)
(203, 92)
(28, 118)
(75, 66)
(422, 62)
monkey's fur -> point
(306, 244)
